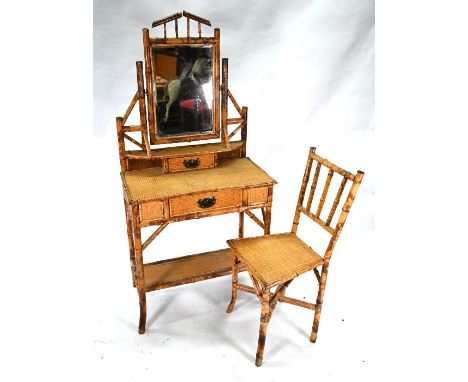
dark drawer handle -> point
(207, 202)
(192, 163)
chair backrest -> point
(318, 162)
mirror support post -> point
(224, 101)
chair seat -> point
(274, 259)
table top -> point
(153, 184)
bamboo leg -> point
(241, 225)
(130, 243)
(264, 319)
(267, 220)
(139, 270)
(235, 270)
(319, 302)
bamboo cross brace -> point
(130, 107)
(134, 141)
(251, 215)
(324, 193)
(153, 235)
(235, 131)
(336, 201)
(234, 102)
(313, 186)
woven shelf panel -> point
(183, 269)
(150, 184)
(275, 258)
(187, 150)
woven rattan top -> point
(187, 150)
(274, 259)
(151, 184)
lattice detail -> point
(175, 17)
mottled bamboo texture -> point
(269, 301)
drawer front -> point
(205, 201)
(258, 195)
(188, 163)
(151, 211)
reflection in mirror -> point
(184, 89)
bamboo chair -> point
(275, 260)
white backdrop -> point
(306, 71)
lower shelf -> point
(188, 269)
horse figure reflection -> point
(189, 85)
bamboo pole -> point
(142, 107)
(140, 269)
(316, 219)
(336, 201)
(121, 142)
(235, 131)
(357, 179)
(241, 225)
(244, 132)
(232, 121)
(224, 105)
(324, 193)
(130, 242)
(300, 199)
(149, 86)
(235, 271)
(264, 319)
(313, 186)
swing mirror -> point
(183, 83)
(183, 99)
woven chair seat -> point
(274, 259)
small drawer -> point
(258, 195)
(188, 163)
(151, 211)
(205, 201)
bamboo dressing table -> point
(163, 185)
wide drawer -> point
(205, 201)
(188, 163)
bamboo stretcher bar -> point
(231, 121)
(131, 128)
(316, 219)
(288, 300)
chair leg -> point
(264, 320)
(319, 302)
(235, 270)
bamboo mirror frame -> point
(181, 55)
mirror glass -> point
(183, 79)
